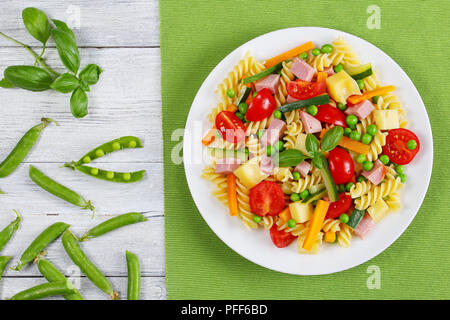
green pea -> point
(315, 52)
(312, 110)
(304, 194)
(400, 169)
(411, 144)
(94, 171)
(326, 48)
(296, 176)
(348, 186)
(361, 179)
(360, 158)
(257, 218)
(231, 93)
(260, 133)
(277, 114)
(99, 153)
(344, 218)
(239, 115)
(87, 159)
(366, 138)
(269, 150)
(291, 223)
(367, 165)
(303, 55)
(372, 129)
(384, 159)
(402, 177)
(338, 68)
(110, 174)
(243, 107)
(375, 99)
(116, 146)
(132, 144)
(255, 94)
(341, 106)
(351, 120)
(279, 146)
(360, 84)
(347, 131)
(355, 135)
(126, 176)
(295, 197)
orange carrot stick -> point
(289, 54)
(370, 94)
(285, 215)
(322, 76)
(232, 194)
(209, 137)
(316, 224)
(232, 108)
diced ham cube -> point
(329, 71)
(270, 82)
(364, 227)
(311, 124)
(303, 168)
(266, 165)
(376, 175)
(273, 132)
(361, 110)
(302, 70)
(290, 99)
(227, 165)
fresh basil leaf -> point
(28, 77)
(291, 158)
(311, 144)
(317, 160)
(67, 49)
(79, 103)
(332, 138)
(6, 84)
(37, 24)
(63, 27)
(91, 73)
(84, 86)
(65, 83)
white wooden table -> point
(123, 38)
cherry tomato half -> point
(262, 106)
(280, 238)
(339, 207)
(266, 198)
(230, 126)
(329, 114)
(396, 146)
(341, 165)
(303, 90)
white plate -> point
(255, 245)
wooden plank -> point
(126, 101)
(152, 288)
(145, 239)
(99, 23)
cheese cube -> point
(341, 86)
(386, 119)
(301, 212)
(378, 211)
(249, 174)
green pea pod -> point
(58, 189)
(7, 233)
(134, 276)
(45, 290)
(37, 24)
(78, 257)
(113, 224)
(52, 274)
(67, 49)
(28, 77)
(79, 103)
(23, 147)
(91, 74)
(4, 260)
(113, 176)
(40, 243)
(65, 83)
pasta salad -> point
(308, 145)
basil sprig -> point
(40, 76)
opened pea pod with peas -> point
(41, 77)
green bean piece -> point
(59, 190)
(45, 290)
(78, 257)
(119, 177)
(38, 245)
(111, 146)
(52, 274)
(7, 233)
(4, 260)
(23, 147)
(113, 224)
(134, 276)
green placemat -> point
(195, 36)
